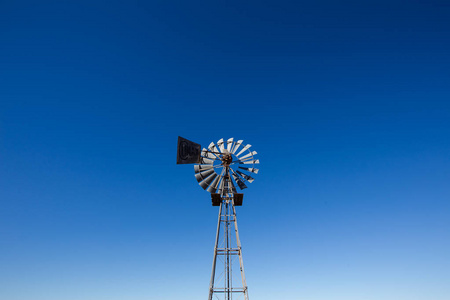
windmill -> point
(219, 169)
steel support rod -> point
(241, 262)
(211, 284)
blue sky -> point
(347, 104)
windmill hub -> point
(227, 159)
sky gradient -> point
(347, 104)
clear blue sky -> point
(346, 102)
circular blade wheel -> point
(226, 159)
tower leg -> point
(211, 283)
(241, 262)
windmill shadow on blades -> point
(218, 169)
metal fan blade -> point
(253, 170)
(205, 183)
(211, 189)
(245, 176)
(229, 144)
(238, 180)
(245, 158)
(221, 185)
(249, 162)
(207, 161)
(203, 174)
(248, 155)
(213, 147)
(200, 168)
(243, 149)
(217, 183)
(220, 144)
(236, 146)
(232, 187)
(207, 154)
(213, 186)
